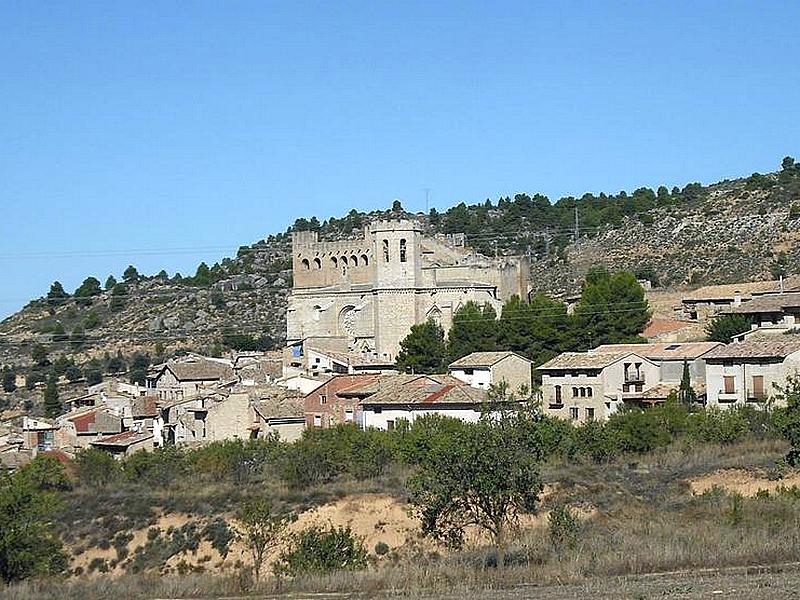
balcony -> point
(555, 405)
(758, 397)
(727, 397)
(634, 377)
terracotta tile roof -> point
(144, 407)
(200, 370)
(664, 350)
(83, 422)
(745, 288)
(659, 326)
(777, 346)
(483, 359)
(124, 439)
(426, 389)
(270, 408)
(584, 360)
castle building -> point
(363, 294)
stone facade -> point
(364, 294)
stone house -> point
(584, 386)
(750, 372)
(363, 294)
(79, 429)
(393, 399)
(482, 369)
(670, 358)
(188, 377)
(38, 435)
(337, 401)
(183, 419)
(258, 368)
(125, 443)
(281, 415)
(769, 314)
(706, 302)
(331, 361)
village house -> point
(38, 435)
(394, 399)
(189, 376)
(278, 414)
(258, 368)
(331, 361)
(769, 315)
(183, 419)
(336, 401)
(671, 358)
(125, 443)
(79, 429)
(584, 386)
(751, 372)
(483, 369)
(708, 301)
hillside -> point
(732, 230)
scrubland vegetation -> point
(616, 502)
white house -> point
(751, 371)
(396, 398)
(482, 369)
(583, 386)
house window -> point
(323, 399)
(758, 386)
(317, 264)
(306, 264)
(469, 371)
(589, 392)
(574, 392)
(402, 251)
(558, 394)
(348, 415)
(385, 250)
(377, 410)
(573, 413)
(317, 420)
(730, 385)
(590, 414)
(390, 425)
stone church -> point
(363, 294)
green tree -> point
(139, 366)
(77, 338)
(686, 392)
(612, 309)
(56, 295)
(111, 281)
(96, 468)
(539, 329)
(131, 275)
(119, 294)
(9, 379)
(52, 404)
(28, 544)
(787, 417)
(319, 550)
(722, 328)
(474, 330)
(90, 287)
(484, 476)
(423, 350)
(779, 266)
(261, 529)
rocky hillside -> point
(733, 230)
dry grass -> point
(646, 520)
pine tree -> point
(474, 330)
(423, 350)
(52, 405)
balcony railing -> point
(634, 377)
(727, 397)
(756, 396)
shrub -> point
(320, 550)
(96, 468)
(563, 527)
(381, 548)
(220, 535)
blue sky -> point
(164, 125)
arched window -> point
(402, 251)
(334, 262)
(385, 250)
(364, 260)
(589, 392)
(317, 264)
(574, 392)
(354, 261)
(582, 392)
(343, 261)
(306, 265)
